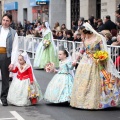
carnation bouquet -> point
(50, 67)
(46, 43)
(33, 94)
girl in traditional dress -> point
(22, 83)
(60, 87)
(46, 50)
(96, 83)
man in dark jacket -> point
(108, 24)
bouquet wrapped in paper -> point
(46, 43)
(50, 67)
(33, 94)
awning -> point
(33, 3)
(11, 6)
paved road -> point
(46, 111)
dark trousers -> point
(4, 64)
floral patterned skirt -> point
(59, 89)
(92, 89)
(18, 92)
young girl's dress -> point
(18, 91)
(60, 87)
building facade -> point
(87, 8)
(1, 8)
(62, 11)
(51, 11)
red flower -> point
(100, 105)
(102, 57)
(113, 103)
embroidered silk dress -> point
(91, 88)
(46, 55)
(60, 87)
(18, 91)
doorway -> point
(25, 13)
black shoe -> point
(4, 104)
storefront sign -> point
(33, 3)
(42, 2)
(11, 6)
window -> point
(75, 10)
(98, 8)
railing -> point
(29, 44)
(115, 55)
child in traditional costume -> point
(60, 87)
(24, 89)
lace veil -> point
(110, 65)
(52, 41)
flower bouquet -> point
(100, 55)
(46, 43)
(32, 94)
(50, 67)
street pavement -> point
(47, 111)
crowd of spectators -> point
(106, 27)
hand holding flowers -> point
(50, 67)
(100, 57)
(46, 43)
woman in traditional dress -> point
(96, 84)
(46, 51)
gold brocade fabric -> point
(88, 92)
(2, 50)
(86, 89)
